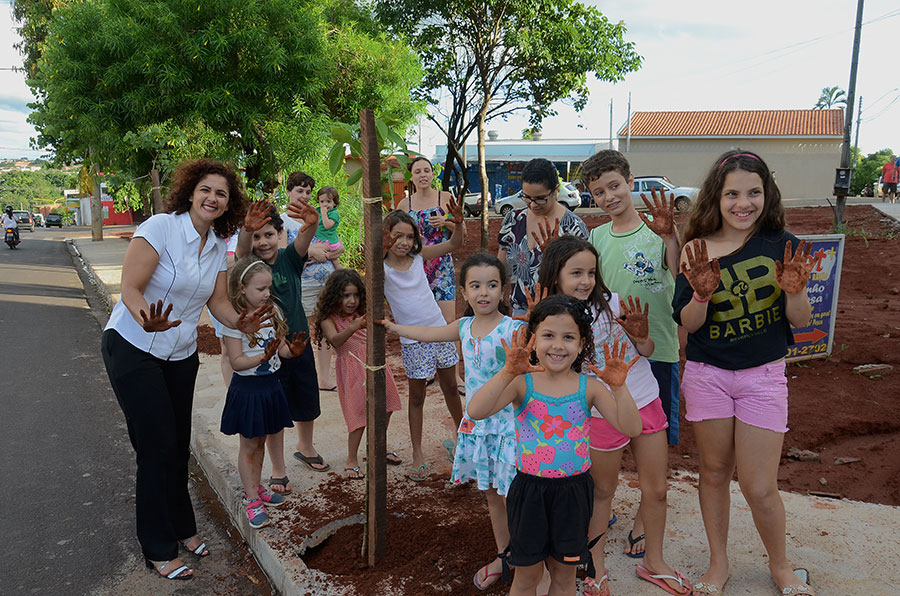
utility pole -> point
(848, 123)
(856, 134)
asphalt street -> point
(67, 496)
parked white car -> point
(568, 196)
(684, 195)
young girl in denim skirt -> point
(742, 286)
(485, 449)
(550, 500)
(412, 303)
(255, 406)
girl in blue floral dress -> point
(485, 449)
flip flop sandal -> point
(200, 551)
(488, 582)
(419, 474)
(283, 481)
(309, 461)
(631, 542)
(706, 588)
(799, 589)
(658, 579)
(359, 475)
(178, 573)
(450, 447)
(599, 587)
(612, 520)
(392, 459)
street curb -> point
(109, 297)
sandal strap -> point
(177, 572)
(200, 549)
(796, 589)
(666, 576)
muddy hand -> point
(257, 215)
(359, 322)
(704, 275)
(303, 212)
(387, 324)
(616, 369)
(635, 323)
(663, 212)
(388, 238)
(158, 320)
(456, 211)
(253, 322)
(518, 354)
(270, 350)
(793, 275)
(298, 343)
(539, 294)
(544, 234)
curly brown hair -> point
(329, 301)
(706, 214)
(188, 176)
(560, 304)
(607, 160)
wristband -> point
(701, 301)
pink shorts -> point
(606, 438)
(756, 396)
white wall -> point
(803, 168)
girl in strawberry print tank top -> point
(550, 501)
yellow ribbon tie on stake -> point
(367, 366)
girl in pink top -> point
(341, 320)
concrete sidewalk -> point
(850, 548)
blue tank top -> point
(552, 433)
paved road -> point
(67, 497)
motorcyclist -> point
(8, 221)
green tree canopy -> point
(493, 57)
(831, 97)
(239, 72)
(868, 170)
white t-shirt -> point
(9, 221)
(410, 297)
(640, 380)
(182, 278)
(265, 334)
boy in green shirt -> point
(639, 257)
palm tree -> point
(832, 97)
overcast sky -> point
(698, 55)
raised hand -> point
(298, 343)
(704, 275)
(388, 238)
(253, 322)
(539, 294)
(158, 320)
(269, 350)
(544, 234)
(455, 208)
(303, 212)
(793, 275)
(518, 354)
(663, 212)
(257, 215)
(635, 323)
(616, 369)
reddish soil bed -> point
(833, 413)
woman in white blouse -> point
(174, 266)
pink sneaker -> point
(268, 497)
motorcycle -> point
(11, 238)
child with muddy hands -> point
(741, 288)
(550, 500)
(340, 320)
(407, 292)
(485, 449)
(255, 406)
(569, 267)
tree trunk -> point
(157, 193)
(376, 419)
(96, 206)
(482, 172)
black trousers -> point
(156, 397)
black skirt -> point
(255, 407)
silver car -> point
(568, 196)
(684, 195)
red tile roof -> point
(737, 123)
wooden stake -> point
(376, 419)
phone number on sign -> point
(795, 351)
